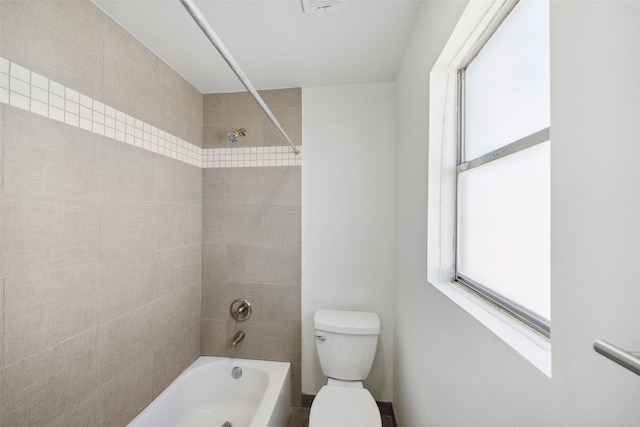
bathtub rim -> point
(278, 374)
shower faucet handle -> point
(240, 310)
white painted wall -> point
(348, 216)
(448, 369)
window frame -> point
(529, 317)
(477, 24)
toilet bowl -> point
(346, 342)
(340, 406)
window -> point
(502, 237)
(488, 232)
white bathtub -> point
(206, 394)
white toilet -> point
(346, 343)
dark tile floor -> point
(299, 417)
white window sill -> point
(528, 343)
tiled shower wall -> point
(100, 260)
(100, 241)
(251, 228)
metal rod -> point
(206, 28)
(512, 148)
(628, 359)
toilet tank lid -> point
(347, 322)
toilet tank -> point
(349, 345)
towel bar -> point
(628, 359)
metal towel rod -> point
(628, 359)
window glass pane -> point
(504, 227)
(507, 84)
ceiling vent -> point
(313, 6)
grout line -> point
(30, 91)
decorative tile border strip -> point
(28, 90)
(246, 157)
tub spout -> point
(237, 338)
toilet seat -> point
(344, 407)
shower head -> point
(236, 134)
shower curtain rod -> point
(217, 43)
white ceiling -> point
(274, 42)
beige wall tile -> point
(77, 45)
(169, 361)
(214, 262)
(2, 136)
(125, 340)
(268, 264)
(125, 284)
(177, 182)
(273, 341)
(193, 297)
(174, 348)
(232, 224)
(176, 268)
(171, 101)
(184, 304)
(126, 228)
(215, 134)
(168, 329)
(296, 384)
(224, 113)
(115, 402)
(34, 319)
(282, 97)
(264, 186)
(130, 74)
(214, 339)
(127, 393)
(47, 157)
(44, 233)
(74, 196)
(2, 334)
(268, 275)
(149, 301)
(172, 225)
(70, 370)
(196, 120)
(61, 40)
(214, 304)
(213, 104)
(195, 224)
(242, 102)
(270, 303)
(140, 84)
(214, 185)
(161, 335)
(87, 412)
(178, 105)
(177, 225)
(193, 345)
(124, 171)
(282, 225)
(272, 331)
(42, 156)
(290, 118)
(212, 137)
